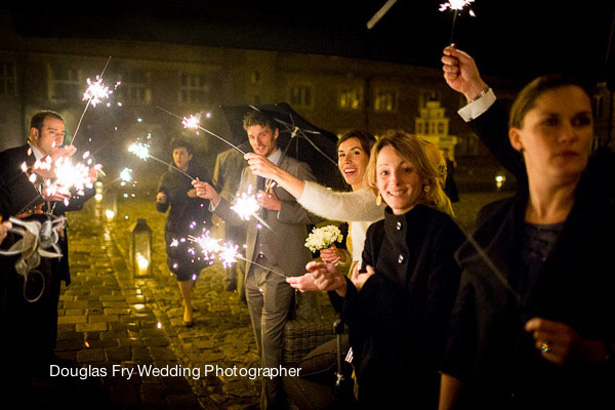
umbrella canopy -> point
(298, 138)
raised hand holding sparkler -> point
(461, 73)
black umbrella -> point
(298, 138)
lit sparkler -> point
(227, 253)
(457, 6)
(193, 123)
(125, 177)
(141, 150)
(246, 206)
(95, 90)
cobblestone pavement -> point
(107, 317)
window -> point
(66, 83)
(427, 96)
(385, 101)
(135, 87)
(7, 79)
(194, 89)
(301, 95)
(350, 98)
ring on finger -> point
(545, 347)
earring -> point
(426, 188)
(378, 199)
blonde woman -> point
(397, 317)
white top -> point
(357, 207)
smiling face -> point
(263, 139)
(556, 135)
(182, 158)
(352, 161)
(398, 181)
(50, 137)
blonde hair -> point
(425, 156)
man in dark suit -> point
(273, 252)
(34, 323)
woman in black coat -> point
(398, 308)
(534, 322)
(188, 216)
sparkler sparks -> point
(97, 91)
(455, 4)
(246, 205)
(141, 150)
(192, 122)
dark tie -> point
(260, 186)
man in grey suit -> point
(272, 253)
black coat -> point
(397, 322)
(187, 216)
(488, 349)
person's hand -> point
(5, 227)
(461, 73)
(261, 166)
(191, 193)
(161, 197)
(358, 279)
(55, 194)
(268, 200)
(93, 172)
(327, 277)
(65, 151)
(557, 341)
(303, 283)
(331, 255)
(206, 191)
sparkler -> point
(125, 177)
(246, 206)
(227, 253)
(141, 150)
(192, 122)
(95, 91)
(457, 6)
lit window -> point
(385, 101)
(350, 98)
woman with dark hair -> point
(534, 321)
(358, 208)
(397, 316)
(189, 215)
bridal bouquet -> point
(323, 237)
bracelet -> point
(482, 94)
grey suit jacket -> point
(286, 238)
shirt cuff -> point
(477, 107)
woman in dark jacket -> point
(534, 322)
(189, 216)
(398, 309)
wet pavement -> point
(117, 326)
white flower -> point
(324, 237)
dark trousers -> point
(270, 301)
